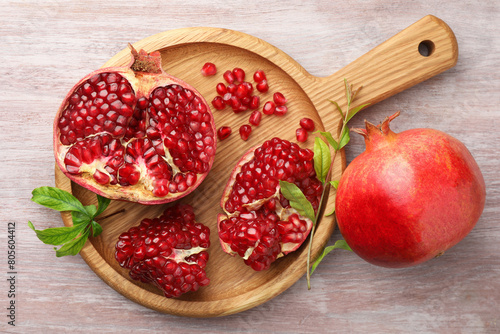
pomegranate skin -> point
(409, 197)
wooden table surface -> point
(47, 46)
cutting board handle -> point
(419, 52)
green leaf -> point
(335, 183)
(57, 235)
(331, 212)
(103, 203)
(57, 199)
(345, 138)
(322, 159)
(329, 138)
(74, 246)
(96, 228)
(355, 111)
(338, 244)
(297, 199)
(348, 92)
(338, 108)
(91, 211)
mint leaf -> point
(338, 244)
(74, 246)
(57, 235)
(96, 228)
(102, 203)
(57, 199)
(297, 199)
(331, 212)
(322, 159)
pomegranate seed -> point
(245, 131)
(208, 69)
(307, 124)
(259, 75)
(227, 98)
(280, 110)
(269, 108)
(262, 86)
(218, 103)
(254, 102)
(301, 135)
(235, 103)
(249, 88)
(239, 74)
(241, 91)
(229, 77)
(223, 132)
(221, 89)
(255, 118)
(279, 99)
(231, 88)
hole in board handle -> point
(426, 48)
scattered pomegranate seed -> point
(221, 89)
(239, 74)
(280, 110)
(262, 86)
(231, 88)
(229, 77)
(269, 108)
(254, 102)
(223, 132)
(227, 98)
(255, 118)
(279, 99)
(307, 124)
(208, 69)
(259, 75)
(235, 103)
(218, 103)
(241, 91)
(245, 131)
(301, 134)
(249, 87)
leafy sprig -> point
(70, 238)
(323, 162)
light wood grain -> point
(388, 69)
(58, 42)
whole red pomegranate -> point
(259, 224)
(409, 197)
(135, 133)
(169, 251)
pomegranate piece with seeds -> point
(135, 133)
(208, 69)
(258, 223)
(169, 252)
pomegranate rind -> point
(148, 82)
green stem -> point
(323, 193)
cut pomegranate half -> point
(135, 133)
(259, 224)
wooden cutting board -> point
(391, 67)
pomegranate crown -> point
(145, 62)
(376, 130)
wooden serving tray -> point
(391, 67)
